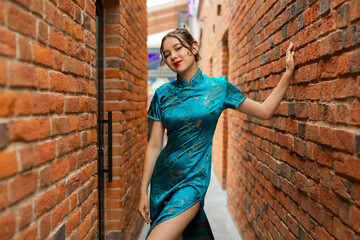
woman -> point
(189, 109)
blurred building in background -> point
(163, 17)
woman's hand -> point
(290, 65)
(144, 207)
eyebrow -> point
(172, 46)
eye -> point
(165, 56)
(178, 48)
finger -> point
(144, 216)
(147, 214)
(290, 46)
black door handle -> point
(109, 170)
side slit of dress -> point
(172, 216)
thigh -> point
(172, 229)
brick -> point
(341, 231)
(44, 226)
(3, 69)
(74, 182)
(57, 39)
(42, 76)
(42, 55)
(37, 7)
(53, 15)
(8, 225)
(1, 12)
(20, 20)
(22, 75)
(59, 212)
(354, 65)
(60, 125)
(312, 170)
(346, 164)
(59, 82)
(343, 88)
(42, 29)
(327, 67)
(71, 65)
(325, 135)
(24, 49)
(73, 201)
(44, 128)
(23, 103)
(45, 152)
(45, 176)
(60, 234)
(323, 156)
(84, 192)
(342, 114)
(27, 158)
(343, 140)
(313, 91)
(355, 113)
(354, 10)
(314, 190)
(86, 173)
(59, 169)
(341, 186)
(41, 103)
(84, 227)
(4, 140)
(90, 8)
(329, 200)
(8, 163)
(23, 186)
(3, 195)
(25, 215)
(72, 105)
(325, 47)
(312, 132)
(323, 234)
(7, 107)
(86, 207)
(355, 218)
(73, 142)
(58, 104)
(67, 6)
(28, 233)
(7, 43)
(49, 199)
(72, 222)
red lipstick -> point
(177, 63)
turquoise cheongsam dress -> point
(181, 176)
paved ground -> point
(219, 217)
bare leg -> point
(172, 229)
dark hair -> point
(184, 37)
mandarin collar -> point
(198, 76)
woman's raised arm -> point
(266, 109)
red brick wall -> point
(48, 167)
(48, 119)
(295, 176)
(220, 67)
(126, 95)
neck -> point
(190, 72)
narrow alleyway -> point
(219, 217)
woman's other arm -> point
(152, 152)
(267, 109)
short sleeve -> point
(154, 111)
(234, 97)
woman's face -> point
(177, 57)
